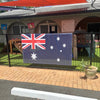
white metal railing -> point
(45, 95)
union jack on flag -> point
(33, 41)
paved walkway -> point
(72, 79)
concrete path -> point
(59, 81)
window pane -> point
(24, 29)
(44, 28)
(53, 28)
(16, 30)
(94, 27)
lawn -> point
(17, 60)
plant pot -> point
(91, 72)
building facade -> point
(64, 21)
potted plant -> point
(90, 71)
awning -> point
(38, 3)
(42, 11)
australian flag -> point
(47, 48)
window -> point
(18, 28)
(44, 29)
(48, 27)
(94, 27)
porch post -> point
(75, 46)
(91, 48)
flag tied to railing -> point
(47, 48)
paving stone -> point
(60, 81)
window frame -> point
(49, 24)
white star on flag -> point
(58, 38)
(34, 56)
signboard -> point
(47, 48)
(4, 26)
(30, 25)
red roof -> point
(38, 3)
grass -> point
(1, 46)
(17, 60)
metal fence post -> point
(8, 50)
(91, 48)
